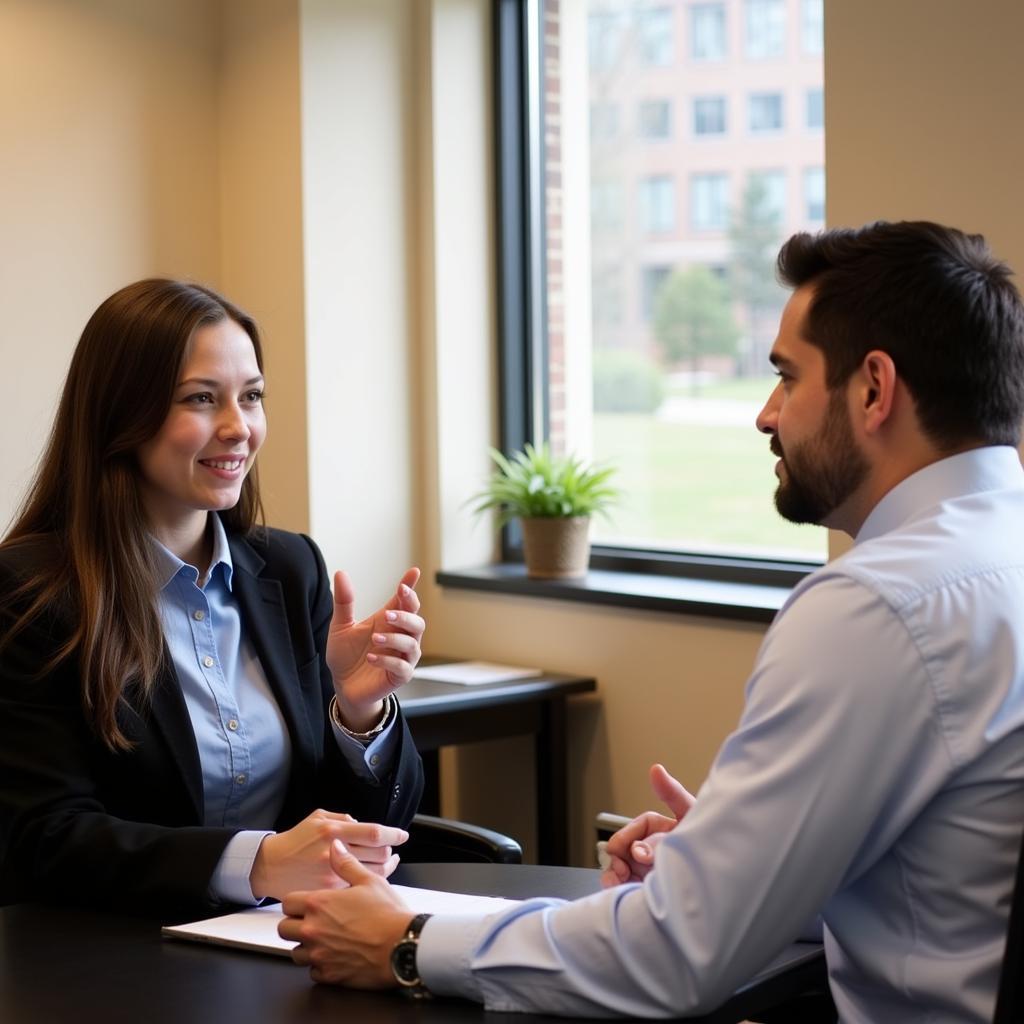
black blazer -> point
(83, 825)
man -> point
(876, 776)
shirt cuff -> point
(444, 955)
(230, 881)
(371, 762)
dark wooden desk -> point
(85, 967)
(444, 714)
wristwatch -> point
(403, 959)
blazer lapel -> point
(170, 718)
(265, 623)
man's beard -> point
(821, 473)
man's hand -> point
(631, 849)
(371, 658)
(346, 935)
(301, 857)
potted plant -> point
(554, 498)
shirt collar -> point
(972, 472)
(168, 564)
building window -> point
(604, 121)
(812, 27)
(816, 109)
(707, 32)
(654, 120)
(709, 115)
(814, 194)
(605, 33)
(651, 280)
(655, 35)
(655, 260)
(606, 206)
(765, 112)
(657, 204)
(770, 186)
(709, 202)
(765, 25)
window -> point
(655, 262)
(765, 112)
(707, 32)
(657, 204)
(606, 206)
(655, 33)
(812, 27)
(814, 195)
(765, 23)
(816, 109)
(771, 186)
(605, 31)
(652, 280)
(604, 121)
(709, 202)
(655, 119)
(709, 115)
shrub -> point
(626, 382)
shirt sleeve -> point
(801, 790)
(371, 762)
(230, 880)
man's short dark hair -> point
(938, 302)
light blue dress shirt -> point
(241, 735)
(876, 777)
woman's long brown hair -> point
(84, 501)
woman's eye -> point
(254, 396)
(200, 398)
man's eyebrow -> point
(780, 362)
(206, 382)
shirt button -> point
(208, 661)
(199, 615)
(374, 758)
(233, 724)
(240, 779)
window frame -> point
(522, 306)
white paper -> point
(256, 928)
(472, 673)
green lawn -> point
(692, 486)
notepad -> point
(473, 673)
(256, 928)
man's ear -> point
(874, 390)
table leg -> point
(551, 760)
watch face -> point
(403, 963)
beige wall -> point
(108, 173)
(349, 204)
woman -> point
(179, 694)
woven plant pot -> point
(556, 548)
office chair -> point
(439, 840)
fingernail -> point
(642, 851)
(340, 846)
(372, 657)
(405, 590)
(379, 638)
(391, 616)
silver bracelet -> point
(364, 737)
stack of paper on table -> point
(256, 928)
(473, 673)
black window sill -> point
(743, 602)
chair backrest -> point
(440, 840)
(1010, 1001)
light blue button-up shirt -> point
(876, 777)
(242, 739)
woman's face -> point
(208, 442)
